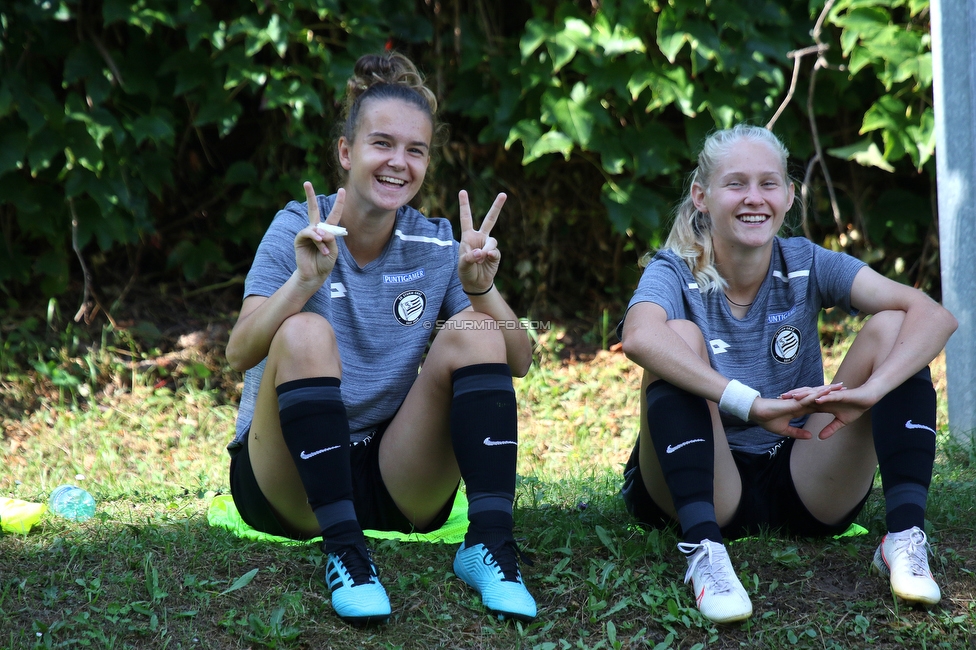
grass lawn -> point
(143, 427)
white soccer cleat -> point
(720, 596)
(903, 559)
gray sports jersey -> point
(776, 347)
(383, 314)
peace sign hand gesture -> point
(316, 250)
(479, 255)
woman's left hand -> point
(479, 256)
(775, 415)
(846, 406)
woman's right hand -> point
(316, 250)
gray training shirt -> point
(776, 347)
(383, 314)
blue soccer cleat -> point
(357, 595)
(494, 573)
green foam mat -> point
(223, 513)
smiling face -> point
(387, 161)
(747, 196)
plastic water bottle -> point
(72, 502)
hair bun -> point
(378, 67)
(390, 68)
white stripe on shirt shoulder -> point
(425, 240)
(792, 274)
(692, 285)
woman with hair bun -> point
(341, 428)
(738, 431)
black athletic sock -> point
(484, 432)
(903, 425)
(316, 431)
(681, 430)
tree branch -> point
(819, 48)
(797, 56)
(90, 306)
(821, 62)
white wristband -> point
(737, 399)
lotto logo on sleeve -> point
(786, 344)
(409, 306)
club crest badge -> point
(785, 346)
(409, 307)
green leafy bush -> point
(158, 139)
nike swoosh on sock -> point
(492, 443)
(675, 448)
(912, 425)
(305, 455)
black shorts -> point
(769, 498)
(375, 508)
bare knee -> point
(304, 346)
(883, 326)
(690, 334)
(470, 337)
(874, 342)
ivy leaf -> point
(919, 68)
(294, 93)
(860, 58)
(897, 144)
(615, 41)
(115, 11)
(670, 36)
(277, 35)
(82, 62)
(527, 132)
(551, 142)
(536, 33)
(574, 36)
(157, 127)
(220, 110)
(192, 67)
(195, 259)
(572, 117)
(866, 22)
(631, 205)
(614, 157)
(900, 213)
(199, 24)
(671, 87)
(81, 148)
(49, 111)
(888, 112)
(923, 135)
(639, 80)
(865, 153)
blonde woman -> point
(738, 430)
